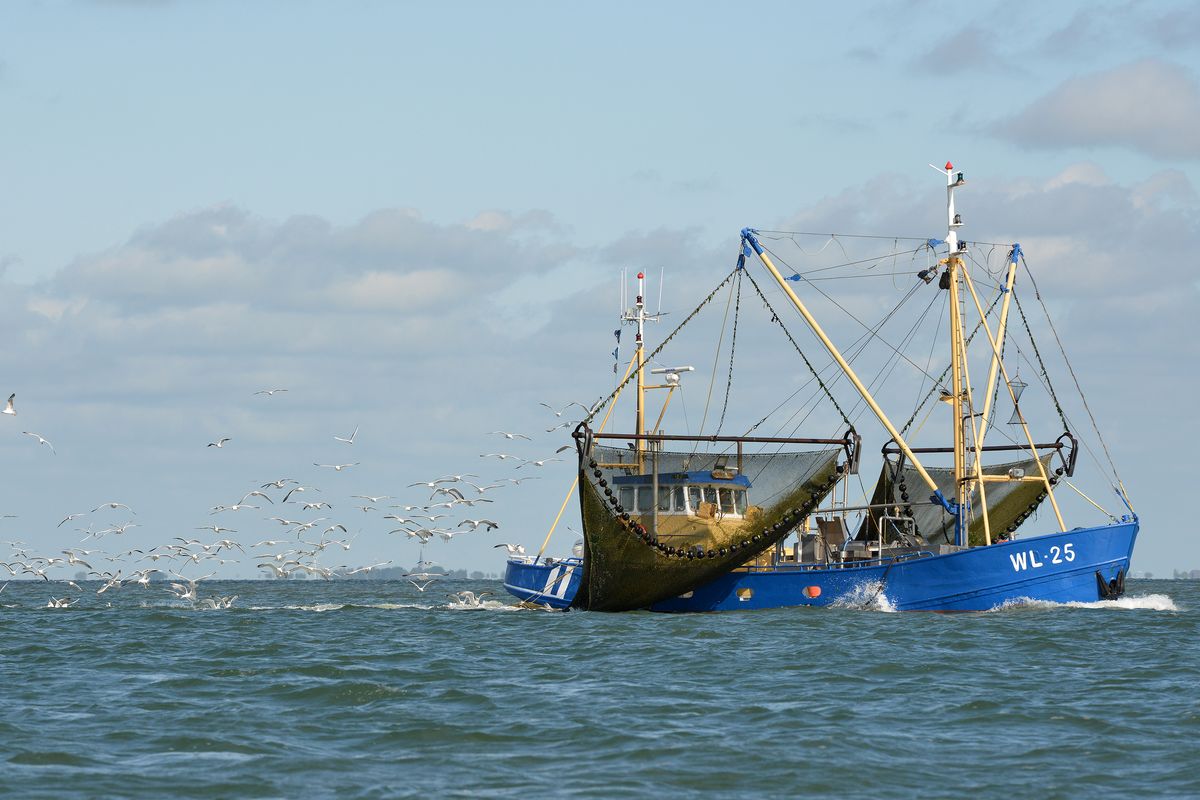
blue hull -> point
(550, 584)
(1058, 567)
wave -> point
(1143, 602)
(868, 596)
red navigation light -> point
(641, 275)
(949, 165)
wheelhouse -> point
(719, 493)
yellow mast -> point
(994, 370)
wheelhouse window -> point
(627, 497)
(726, 496)
(645, 499)
(664, 498)
(680, 505)
(694, 499)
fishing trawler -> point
(684, 530)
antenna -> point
(661, 274)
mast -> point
(637, 315)
(957, 354)
(640, 316)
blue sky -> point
(412, 216)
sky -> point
(414, 218)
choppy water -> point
(372, 689)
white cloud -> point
(1150, 106)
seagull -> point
(61, 602)
(519, 481)
(68, 518)
(371, 499)
(219, 442)
(421, 586)
(335, 467)
(317, 505)
(279, 484)
(234, 507)
(513, 549)
(451, 491)
(458, 478)
(482, 489)
(488, 525)
(113, 505)
(424, 576)
(559, 413)
(468, 598)
(41, 440)
(540, 463)
(296, 489)
(500, 456)
(269, 392)
(508, 435)
(368, 568)
(560, 426)
(256, 493)
(431, 484)
(465, 502)
(351, 439)
(8, 409)
(216, 529)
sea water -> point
(369, 689)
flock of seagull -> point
(296, 551)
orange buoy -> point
(812, 591)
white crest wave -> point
(868, 596)
(1143, 602)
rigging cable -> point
(775, 318)
(712, 381)
(737, 308)
(602, 403)
(1078, 388)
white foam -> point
(867, 596)
(482, 605)
(1144, 602)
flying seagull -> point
(508, 435)
(41, 440)
(351, 439)
(8, 409)
(269, 392)
(335, 467)
(219, 442)
(513, 549)
(475, 523)
(114, 506)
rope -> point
(1042, 364)
(712, 381)
(596, 409)
(775, 318)
(941, 378)
(737, 308)
(1070, 369)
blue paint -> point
(550, 582)
(977, 579)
